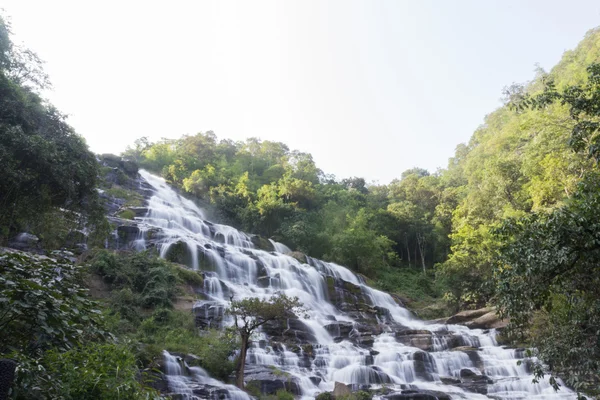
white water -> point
(232, 266)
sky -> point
(369, 88)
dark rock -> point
(446, 380)
(487, 321)
(180, 253)
(341, 329)
(467, 315)
(424, 365)
(26, 242)
(7, 376)
(128, 233)
(315, 380)
(421, 339)
(209, 314)
(417, 395)
(341, 390)
(262, 243)
(301, 257)
(271, 380)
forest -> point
(511, 222)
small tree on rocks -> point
(251, 313)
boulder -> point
(341, 390)
(467, 315)
(301, 257)
(417, 395)
(421, 339)
(271, 380)
(488, 320)
(26, 242)
(262, 243)
(128, 233)
(209, 314)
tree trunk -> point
(421, 242)
(239, 376)
(407, 248)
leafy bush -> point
(151, 280)
(324, 396)
(43, 304)
(92, 371)
(175, 331)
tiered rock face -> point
(353, 334)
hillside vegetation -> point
(512, 222)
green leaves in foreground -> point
(43, 304)
(548, 283)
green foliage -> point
(144, 279)
(127, 214)
(265, 188)
(324, 396)
(423, 290)
(46, 165)
(43, 304)
(548, 274)
(174, 331)
(251, 313)
(91, 371)
(131, 197)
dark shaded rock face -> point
(209, 315)
(262, 243)
(7, 376)
(291, 330)
(417, 395)
(271, 380)
(26, 242)
(421, 339)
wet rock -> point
(341, 390)
(446, 380)
(209, 315)
(262, 243)
(127, 166)
(340, 329)
(301, 257)
(489, 320)
(421, 339)
(128, 233)
(179, 253)
(467, 315)
(289, 330)
(271, 380)
(417, 395)
(424, 365)
(315, 380)
(26, 242)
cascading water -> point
(341, 349)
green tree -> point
(250, 314)
(548, 284)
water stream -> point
(235, 267)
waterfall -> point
(386, 350)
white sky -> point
(370, 88)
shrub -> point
(92, 371)
(43, 305)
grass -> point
(131, 197)
(422, 293)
